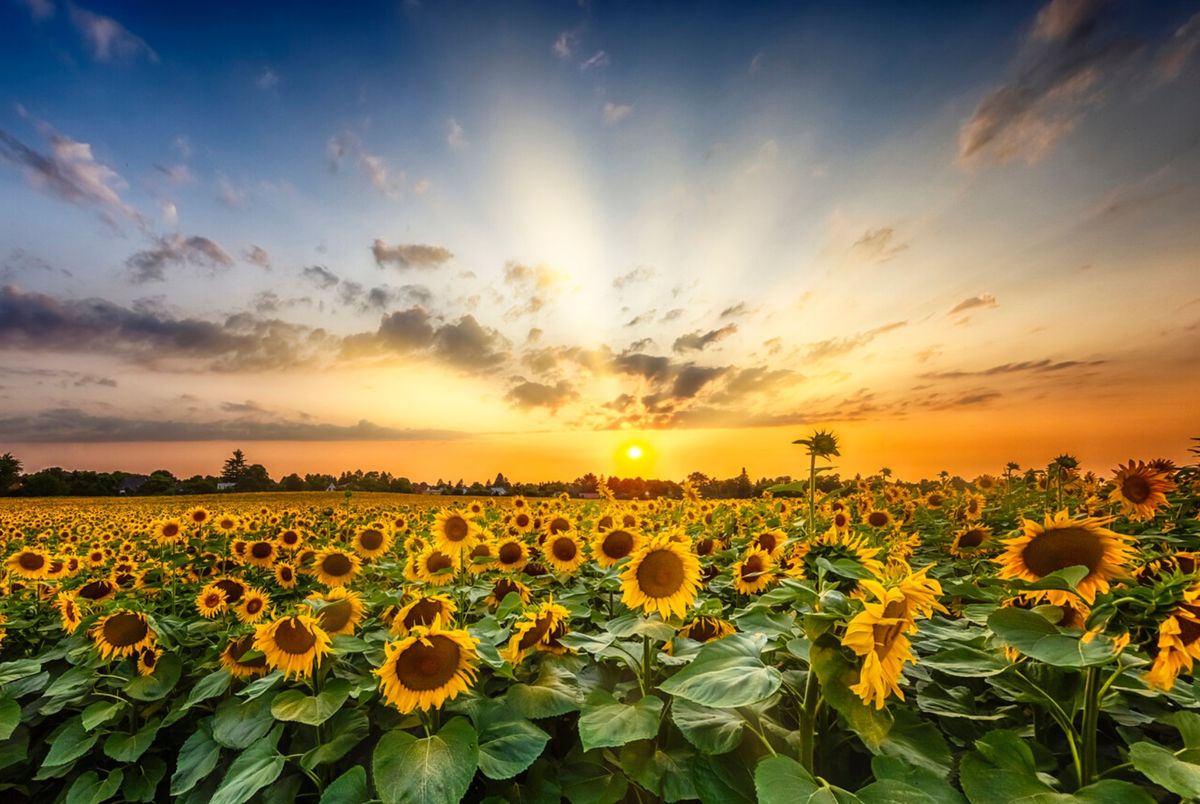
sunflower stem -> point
(647, 665)
(812, 493)
(1088, 730)
(808, 720)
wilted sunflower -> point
(68, 612)
(453, 531)
(148, 660)
(428, 667)
(254, 605)
(503, 587)
(211, 601)
(1140, 490)
(706, 629)
(29, 564)
(752, 574)
(336, 567)
(610, 547)
(342, 612)
(971, 541)
(511, 554)
(662, 576)
(533, 629)
(233, 661)
(293, 645)
(372, 541)
(1063, 542)
(432, 566)
(878, 635)
(285, 575)
(563, 553)
(423, 610)
(121, 633)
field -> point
(1021, 636)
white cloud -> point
(456, 137)
(564, 45)
(599, 59)
(109, 40)
(616, 112)
(267, 79)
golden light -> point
(633, 452)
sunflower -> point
(878, 518)
(167, 531)
(254, 605)
(770, 542)
(342, 612)
(68, 612)
(752, 574)
(211, 601)
(1063, 542)
(973, 507)
(428, 667)
(610, 547)
(1178, 647)
(423, 610)
(706, 629)
(521, 522)
(482, 556)
(971, 541)
(503, 587)
(290, 538)
(834, 546)
(919, 592)
(148, 660)
(841, 521)
(260, 553)
(198, 515)
(454, 531)
(1141, 490)
(372, 541)
(233, 661)
(227, 524)
(877, 633)
(533, 629)
(29, 564)
(98, 590)
(285, 575)
(293, 644)
(662, 576)
(563, 553)
(336, 567)
(511, 554)
(935, 500)
(121, 633)
(432, 565)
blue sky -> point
(673, 222)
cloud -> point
(836, 347)
(320, 276)
(982, 300)
(697, 341)
(230, 194)
(879, 245)
(691, 379)
(564, 44)
(735, 311)
(616, 112)
(267, 79)
(464, 344)
(596, 61)
(150, 265)
(527, 395)
(1065, 58)
(1044, 366)
(20, 263)
(469, 345)
(256, 255)
(641, 318)
(39, 10)
(73, 425)
(1175, 55)
(540, 277)
(456, 138)
(108, 39)
(410, 255)
(345, 145)
(639, 274)
(176, 174)
(70, 172)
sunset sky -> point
(447, 240)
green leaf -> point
(892, 770)
(141, 780)
(15, 749)
(605, 722)
(197, 759)
(100, 712)
(781, 780)
(313, 710)
(918, 742)
(591, 782)
(666, 774)
(508, 743)
(255, 768)
(1188, 724)
(554, 692)
(1162, 767)
(261, 686)
(69, 744)
(726, 673)
(71, 683)
(837, 676)
(632, 624)
(11, 671)
(130, 747)
(237, 724)
(967, 662)
(432, 769)
(210, 686)
(1038, 638)
(713, 731)
(10, 717)
(349, 788)
(348, 727)
(1113, 791)
(724, 779)
(88, 789)
(158, 684)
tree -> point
(255, 478)
(10, 472)
(292, 482)
(235, 467)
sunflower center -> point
(660, 574)
(702, 631)
(541, 626)
(522, 520)
(124, 629)
(753, 566)
(240, 647)
(261, 550)
(767, 541)
(1063, 547)
(618, 543)
(213, 599)
(481, 550)
(336, 565)
(1136, 489)
(422, 613)
(437, 560)
(371, 539)
(293, 637)
(559, 524)
(31, 561)
(510, 553)
(336, 616)
(972, 538)
(232, 589)
(564, 549)
(877, 519)
(1189, 629)
(503, 588)
(424, 667)
(95, 590)
(935, 500)
(170, 530)
(254, 605)
(285, 574)
(605, 521)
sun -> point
(634, 452)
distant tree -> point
(198, 484)
(317, 482)
(500, 482)
(10, 473)
(742, 487)
(161, 482)
(255, 478)
(235, 467)
(292, 482)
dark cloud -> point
(320, 276)
(150, 265)
(406, 331)
(256, 255)
(528, 395)
(20, 263)
(691, 379)
(469, 345)
(879, 245)
(672, 315)
(697, 341)
(643, 318)
(71, 425)
(411, 255)
(1182, 47)
(1032, 366)
(463, 344)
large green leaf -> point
(713, 731)
(605, 722)
(585, 781)
(130, 747)
(966, 661)
(197, 759)
(666, 774)
(917, 742)
(430, 770)
(10, 717)
(72, 742)
(237, 724)
(1162, 767)
(11, 671)
(554, 692)
(142, 779)
(101, 712)
(508, 743)
(726, 673)
(349, 788)
(88, 788)
(837, 675)
(255, 768)
(348, 727)
(1038, 638)
(158, 684)
(313, 710)
(210, 686)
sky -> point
(452, 239)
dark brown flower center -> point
(240, 647)
(564, 549)
(170, 530)
(1063, 547)
(877, 519)
(124, 629)
(767, 541)
(371, 539)
(31, 562)
(423, 612)
(262, 549)
(558, 525)
(660, 574)
(1136, 489)
(753, 567)
(541, 626)
(972, 538)
(702, 630)
(96, 590)
(293, 637)
(437, 560)
(618, 543)
(254, 605)
(336, 616)
(510, 553)
(337, 565)
(233, 589)
(422, 667)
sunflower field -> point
(1024, 636)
